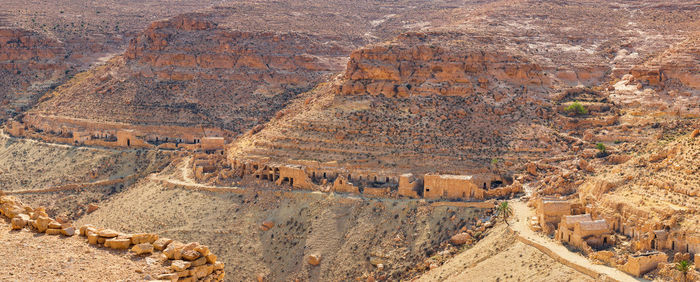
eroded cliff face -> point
(419, 64)
(191, 47)
(186, 71)
(419, 103)
(29, 64)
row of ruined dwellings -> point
(573, 224)
(313, 177)
(128, 138)
(330, 179)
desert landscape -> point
(406, 140)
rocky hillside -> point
(187, 72)
(488, 89)
(402, 101)
(30, 63)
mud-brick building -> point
(550, 211)
(582, 232)
(437, 186)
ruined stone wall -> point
(311, 175)
(187, 261)
(450, 187)
(99, 133)
(641, 264)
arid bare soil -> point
(501, 257)
(28, 256)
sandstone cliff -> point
(30, 63)
(187, 72)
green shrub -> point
(601, 147)
(576, 108)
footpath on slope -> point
(557, 251)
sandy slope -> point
(501, 257)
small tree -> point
(601, 147)
(602, 151)
(683, 266)
(504, 211)
(576, 108)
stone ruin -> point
(80, 132)
(587, 231)
(188, 262)
(582, 232)
(314, 176)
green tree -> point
(504, 211)
(576, 108)
(683, 266)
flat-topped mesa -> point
(190, 47)
(418, 64)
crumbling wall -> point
(437, 186)
(638, 265)
(188, 261)
(409, 186)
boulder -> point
(180, 265)
(42, 223)
(211, 258)
(143, 248)
(144, 238)
(202, 271)
(174, 250)
(199, 261)
(92, 238)
(109, 233)
(18, 223)
(118, 243)
(202, 249)
(190, 255)
(460, 238)
(314, 259)
(218, 265)
(55, 225)
(53, 231)
(91, 208)
(68, 231)
(84, 228)
(161, 243)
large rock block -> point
(162, 243)
(42, 223)
(143, 248)
(118, 243)
(180, 265)
(144, 238)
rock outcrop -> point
(30, 63)
(189, 73)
